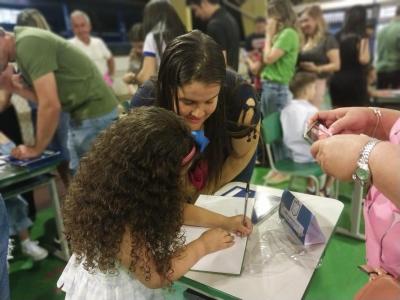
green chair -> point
(272, 133)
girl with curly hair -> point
(125, 208)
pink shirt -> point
(382, 225)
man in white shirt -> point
(93, 47)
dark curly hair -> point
(130, 180)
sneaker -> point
(33, 250)
(275, 177)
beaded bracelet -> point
(378, 115)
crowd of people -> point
(193, 126)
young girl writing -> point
(125, 208)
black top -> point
(222, 27)
(349, 85)
(318, 55)
(236, 93)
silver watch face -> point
(362, 174)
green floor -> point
(336, 278)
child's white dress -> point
(79, 284)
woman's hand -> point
(235, 224)
(216, 239)
(309, 66)
(353, 120)
(338, 155)
(271, 27)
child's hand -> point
(235, 224)
(216, 239)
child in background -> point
(123, 216)
(136, 37)
(294, 119)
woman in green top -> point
(282, 45)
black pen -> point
(245, 202)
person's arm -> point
(210, 241)
(149, 68)
(334, 62)
(384, 160)
(253, 65)
(328, 153)
(363, 54)
(49, 108)
(358, 120)
(111, 66)
(198, 216)
(5, 99)
(271, 54)
(243, 149)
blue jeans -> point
(82, 134)
(275, 96)
(60, 137)
(4, 286)
(17, 210)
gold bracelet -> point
(378, 115)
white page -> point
(227, 260)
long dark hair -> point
(137, 187)
(196, 57)
(162, 14)
(355, 21)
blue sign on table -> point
(300, 220)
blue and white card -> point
(300, 220)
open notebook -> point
(228, 261)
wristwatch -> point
(362, 174)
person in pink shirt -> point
(371, 139)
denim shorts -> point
(82, 134)
(4, 286)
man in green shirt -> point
(58, 77)
(388, 58)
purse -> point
(383, 287)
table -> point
(392, 101)
(280, 278)
(16, 180)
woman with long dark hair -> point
(161, 24)
(217, 105)
(349, 85)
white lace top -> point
(79, 284)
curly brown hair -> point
(130, 179)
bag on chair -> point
(383, 287)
